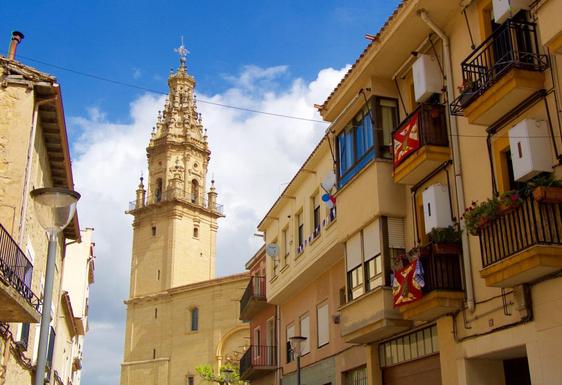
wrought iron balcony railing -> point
(15, 268)
(442, 269)
(258, 357)
(532, 223)
(426, 125)
(513, 45)
(172, 194)
(255, 290)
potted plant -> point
(445, 240)
(509, 201)
(478, 215)
(546, 189)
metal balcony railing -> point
(172, 194)
(441, 271)
(258, 356)
(255, 290)
(426, 125)
(513, 45)
(15, 268)
(532, 223)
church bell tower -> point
(175, 220)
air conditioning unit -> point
(436, 207)
(504, 9)
(531, 151)
(428, 79)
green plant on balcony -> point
(478, 215)
(510, 200)
(445, 240)
(467, 90)
(546, 189)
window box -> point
(546, 194)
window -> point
(300, 231)
(190, 380)
(24, 335)
(315, 204)
(158, 275)
(285, 240)
(195, 319)
(158, 190)
(51, 347)
(305, 332)
(357, 143)
(153, 231)
(196, 232)
(155, 313)
(194, 191)
(257, 342)
(409, 347)
(290, 333)
(357, 376)
(322, 324)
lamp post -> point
(55, 207)
(228, 374)
(296, 347)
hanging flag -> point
(406, 139)
(407, 284)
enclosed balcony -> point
(501, 73)
(523, 245)
(176, 194)
(421, 143)
(18, 303)
(371, 317)
(254, 299)
(258, 361)
(443, 290)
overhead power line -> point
(151, 90)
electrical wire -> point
(151, 90)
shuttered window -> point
(305, 332)
(323, 324)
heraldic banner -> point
(407, 284)
(406, 139)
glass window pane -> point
(414, 346)
(378, 264)
(382, 356)
(368, 130)
(407, 349)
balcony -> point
(371, 317)
(501, 73)
(443, 291)
(522, 245)
(254, 299)
(177, 195)
(258, 361)
(421, 143)
(17, 302)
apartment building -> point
(34, 153)
(259, 364)
(306, 277)
(449, 119)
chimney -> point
(17, 36)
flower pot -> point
(446, 248)
(504, 209)
(546, 194)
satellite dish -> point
(272, 250)
(329, 181)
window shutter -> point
(353, 252)
(371, 240)
(396, 233)
(323, 324)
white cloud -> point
(253, 157)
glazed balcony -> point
(424, 143)
(18, 303)
(175, 194)
(371, 317)
(523, 245)
(443, 291)
(254, 299)
(258, 361)
(501, 73)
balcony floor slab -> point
(420, 163)
(433, 305)
(14, 307)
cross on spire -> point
(182, 51)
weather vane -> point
(182, 51)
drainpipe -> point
(278, 347)
(467, 263)
(28, 164)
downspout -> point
(278, 343)
(28, 165)
(454, 134)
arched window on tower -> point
(194, 191)
(158, 190)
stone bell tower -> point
(175, 221)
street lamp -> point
(296, 347)
(227, 374)
(55, 207)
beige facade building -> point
(179, 315)
(449, 118)
(34, 153)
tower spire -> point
(182, 52)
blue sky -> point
(278, 56)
